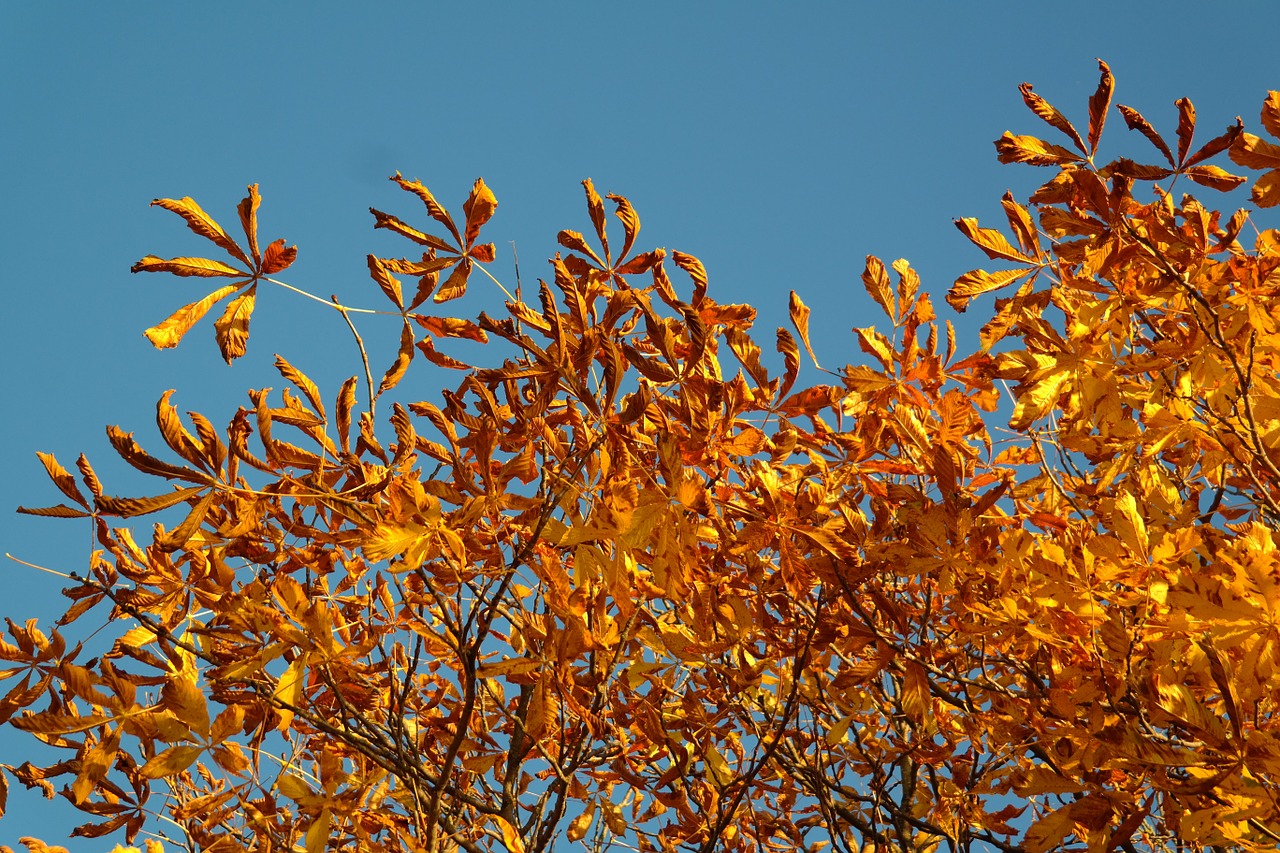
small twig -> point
(364, 356)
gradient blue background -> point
(780, 143)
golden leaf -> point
(200, 267)
(203, 224)
(170, 332)
(232, 328)
(172, 761)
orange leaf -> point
(800, 319)
(1029, 149)
(232, 328)
(478, 208)
(1046, 111)
(1099, 103)
(129, 507)
(248, 210)
(990, 241)
(1135, 121)
(202, 224)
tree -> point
(627, 586)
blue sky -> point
(780, 143)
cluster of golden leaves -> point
(631, 586)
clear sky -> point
(780, 143)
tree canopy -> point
(623, 585)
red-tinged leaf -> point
(404, 356)
(1029, 149)
(478, 209)
(1050, 115)
(278, 257)
(875, 278)
(62, 478)
(428, 349)
(130, 507)
(456, 284)
(1135, 121)
(1253, 152)
(800, 319)
(575, 242)
(232, 328)
(1099, 104)
(188, 267)
(389, 284)
(791, 361)
(391, 223)
(180, 535)
(976, 282)
(170, 332)
(172, 761)
(1216, 145)
(1186, 127)
(59, 511)
(1215, 178)
(484, 253)
(434, 209)
(630, 223)
(248, 210)
(595, 208)
(990, 241)
(203, 224)
(697, 272)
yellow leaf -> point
(975, 282)
(186, 267)
(289, 690)
(317, 839)
(1028, 149)
(579, 825)
(201, 223)
(1037, 400)
(990, 241)
(170, 332)
(173, 760)
(510, 836)
(187, 702)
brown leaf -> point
(456, 285)
(1186, 127)
(130, 507)
(630, 223)
(278, 257)
(434, 209)
(1135, 121)
(62, 478)
(389, 284)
